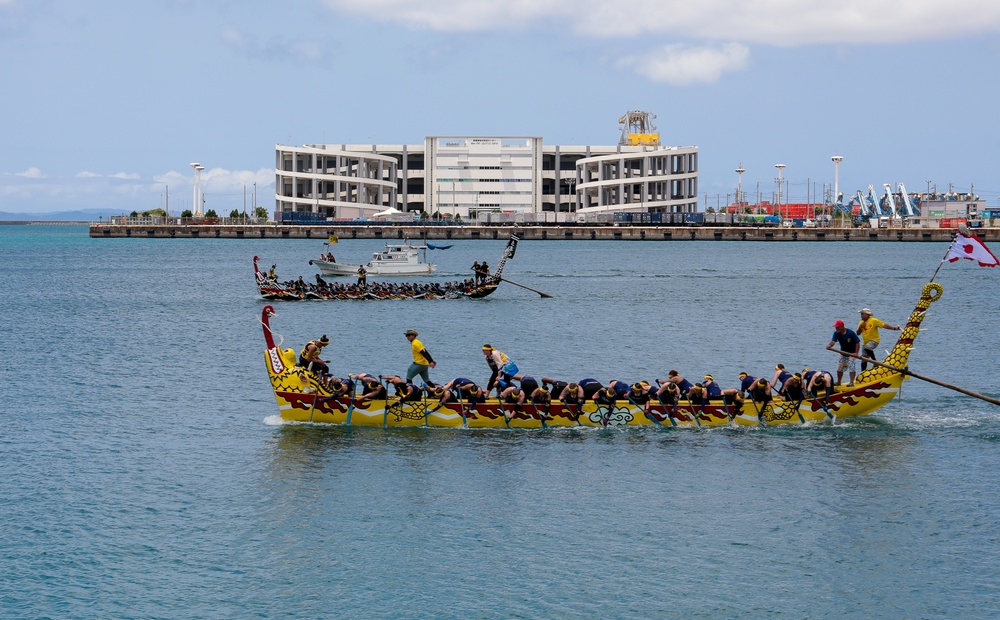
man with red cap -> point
(849, 343)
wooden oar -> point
(907, 372)
(544, 295)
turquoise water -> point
(143, 472)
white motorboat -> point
(398, 259)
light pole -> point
(739, 187)
(201, 194)
(194, 188)
(836, 176)
(780, 167)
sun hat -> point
(867, 311)
(410, 332)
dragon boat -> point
(302, 396)
(271, 289)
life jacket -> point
(305, 349)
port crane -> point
(638, 129)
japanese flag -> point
(973, 249)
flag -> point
(973, 249)
(332, 239)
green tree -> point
(260, 212)
(423, 216)
(211, 213)
(186, 213)
(235, 214)
(155, 213)
(134, 214)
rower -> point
(309, 356)
(760, 392)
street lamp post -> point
(739, 187)
(780, 167)
(201, 194)
(194, 188)
(836, 175)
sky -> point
(105, 103)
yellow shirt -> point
(868, 330)
(418, 357)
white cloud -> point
(31, 173)
(86, 174)
(682, 65)
(768, 22)
(126, 176)
(459, 15)
(274, 49)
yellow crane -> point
(638, 129)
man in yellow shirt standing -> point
(422, 360)
(868, 331)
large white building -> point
(466, 175)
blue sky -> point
(105, 103)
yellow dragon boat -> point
(302, 396)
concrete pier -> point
(550, 232)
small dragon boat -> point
(302, 396)
(295, 290)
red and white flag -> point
(973, 249)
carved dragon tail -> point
(508, 252)
(901, 352)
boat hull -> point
(380, 269)
(296, 406)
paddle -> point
(354, 393)
(694, 415)
(910, 373)
(313, 408)
(544, 295)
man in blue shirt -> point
(849, 343)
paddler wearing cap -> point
(849, 343)
(868, 332)
(422, 360)
(309, 356)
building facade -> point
(469, 175)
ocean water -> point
(143, 471)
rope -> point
(281, 339)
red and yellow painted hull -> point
(302, 397)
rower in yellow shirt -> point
(868, 331)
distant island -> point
(82, 215)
